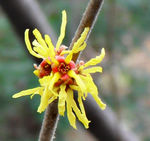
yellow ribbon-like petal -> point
(50, 46)
(65, 52)
(27, 92)
(62, 30)
(81, 117)
(28, 44)
(96, 60)
(92, 70)
(45, 80)
(40, 39)
(37, 45)
(75, 87)
(92, 89)
(90, 86)
(78, 89)
(98, 101)
(40, 92)
(74, 50)
(40, 51)
(44, 100)
(79, 81)
(54, 79)
(36, 72)
(62, 99)
(81, 103)
(70, 114)
(79, 45)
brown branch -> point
(50, 120)
(105, 126)
(25, 14)
(88, 20)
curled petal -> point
(70, 114)
(79, 45)
(98, 101)
(28, 44)
(92, 89)
(44, 100)
(81, 117)
(50, 46)
(81, 103)
(37, 45)
(45, 80)
(40, 92)
(40, 51)
(40, 44)
(54, 79)
(96, 60)
(54, 96)
(62, 30)
(90, 86)
(74, 50)
(79, 81)
(92, 70)
(77, 88)
(27, 92)
(65, 52)
(40, 40)
(36, 72)
(62, 100)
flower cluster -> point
(59, 76)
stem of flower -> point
(88, 20)
(50, 122)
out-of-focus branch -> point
(105, 126)
(26, 14)
(88, 20)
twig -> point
(88, 20)
(49, 122)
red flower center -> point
(44, 69)
(63, 68)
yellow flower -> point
(59, 76)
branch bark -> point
(105, 126)
(88, 20)
(50, 120)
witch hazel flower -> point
(59, 76)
